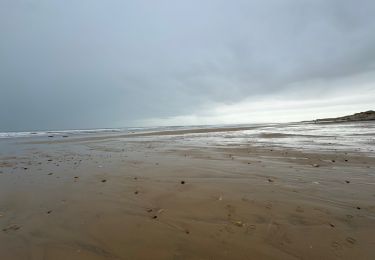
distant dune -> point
(362, 116)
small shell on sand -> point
(238, 223)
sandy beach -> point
(185, 194)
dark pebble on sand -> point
(346, 160)
(136, 192)
(333, 161)
(50, 173)
(270, 180)
(332, 225)
(155, 217)
(104, 180)
(182, 182)
(149, 210)
(49, 211)
(358, 208)
(347, 181)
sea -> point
(356, 137)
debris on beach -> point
(315, 165)
(182, 182)
(12, 227)
(350, 240)
(238, 223)
(104, 180)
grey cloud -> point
(81, 64)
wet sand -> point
(153, 196)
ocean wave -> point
(62, 133)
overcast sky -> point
(112, 63)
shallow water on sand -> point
(349, 137)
